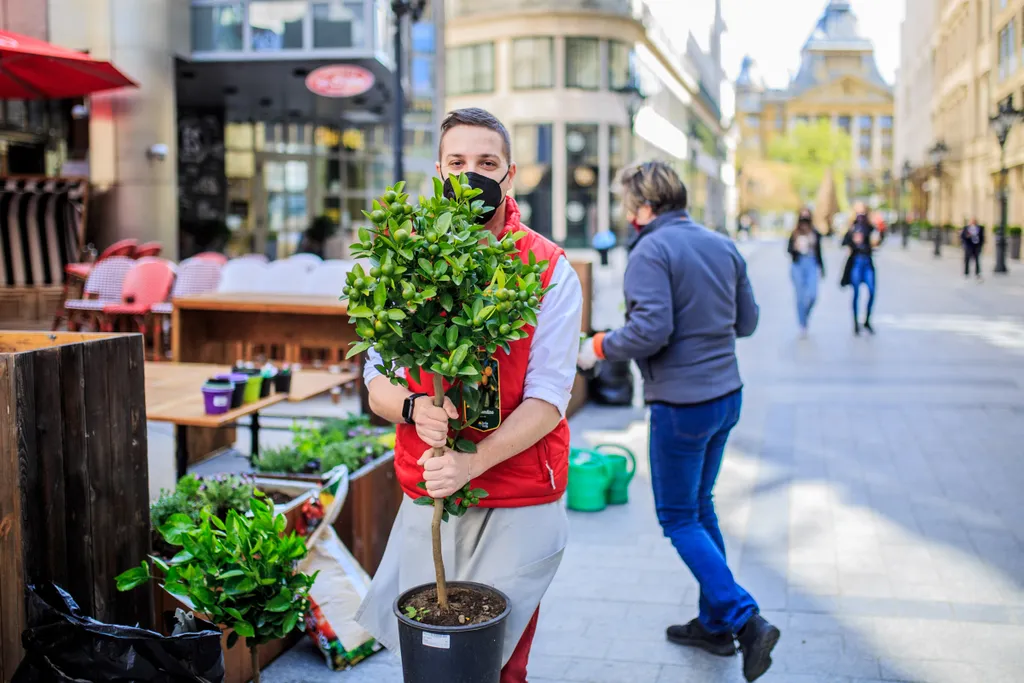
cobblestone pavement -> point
(871, 501)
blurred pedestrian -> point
(745, 227)
(808, 266)
(687, 300)
(861, 239)
(972, 237)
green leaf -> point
(364, 234)
(357, 348)
(184, 556)
(288, 625)
(396, 314)
(459, 356)
(440, 268)
(425, 266)
(133, 578)
(399, 186)
(244, 629)
(424, 500)
(421, 341)
(446, 301)
(452, 336)
(380, 295)
(280, 602)
(478, 493)
(360, 312)
(487, 312)
(529, 316)
(465, 446)
(438, 187)
(232, 639)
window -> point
(583, 63)
(885, 123)
(277, 24)
(620, 72)
(338, 24)
(1008, 49)
(470, 69)
(217, 28)
(533, 63)
(844, 124)
(581, 204)
(866, 137)
(532, 151)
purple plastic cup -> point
(217, 397)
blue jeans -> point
(863, 272)
(687, 444)
(804, 273)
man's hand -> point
(445, 474)
(432, 422)
(588, 355)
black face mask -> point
(491, 196)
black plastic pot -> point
(238, 395)
(453, 654)
(283, 382)
(268, 382)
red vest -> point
(539, 474)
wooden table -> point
(213, 328)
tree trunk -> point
(254, 653)
(435, 526)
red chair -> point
(148, 249)
(148, 282)
(214, 256)
(75, 274)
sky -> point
(773, 31)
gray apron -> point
(516, 550)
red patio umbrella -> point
(32, 69)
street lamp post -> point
(1001, 125)
(938, 155)
(401, 9)
(634, 100)
(904, 179)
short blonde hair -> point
(653, 183)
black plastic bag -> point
(63, 646)
(612, 383)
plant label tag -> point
(439, 640)
(220, 401)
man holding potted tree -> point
(515, 539)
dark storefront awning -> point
(276, 90)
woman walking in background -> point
(805, 249)
(687, 300)
(861, 239)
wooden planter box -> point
(74, 475)
(369, 512)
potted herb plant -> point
(240, 572)
(443, 294)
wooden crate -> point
(74, 477)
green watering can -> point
(597, 479)
(622, 468)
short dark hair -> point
(653, 183)
(481, 118)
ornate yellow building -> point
(838, 81)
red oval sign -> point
(342, 80)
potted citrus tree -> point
(443, 294)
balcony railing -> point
(262, 27)
(471, 8)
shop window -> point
(584, 162)
(583, 63)
(844, 124)
(277, 24)
(532, 152)
(620, 72)
(533, 63)
(470, 69)
(217, 28)
(338, 23)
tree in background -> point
(810, 150)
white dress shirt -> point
(551, 370)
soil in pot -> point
(279, 497)
(466, 607)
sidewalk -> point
(870, 501)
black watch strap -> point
(409, 406)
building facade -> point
(563, 76)
(915, 82)
(251, 119)
(838, 81)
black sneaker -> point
(867, 326)
(757, 640)
(856, 328)
(694, 634)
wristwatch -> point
(409, 406)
